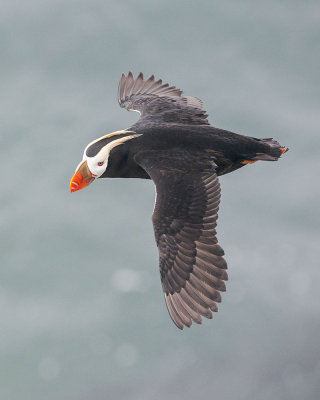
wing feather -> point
(159, 101)
(192, 266)
(176, 317)
(129, 84)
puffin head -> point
(86, 172)
(95, 158)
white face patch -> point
(99, 163)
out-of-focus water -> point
(81, 307)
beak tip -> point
(74, 187)
(79, 181)
(76, 182)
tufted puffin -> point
(174, 145)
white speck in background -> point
(100, 344)
(238, 293)
(49, 368)
(127, 280)
(126, 355)
(299, 282)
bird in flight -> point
(174, 145)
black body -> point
(228, 149)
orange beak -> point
(81, 178)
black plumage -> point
(174, 145)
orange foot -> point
(248, 161)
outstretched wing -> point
(159, 102)
(192, 268)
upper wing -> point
(159, 102)
(192, 268)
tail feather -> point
(274, 152)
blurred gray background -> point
(81, 307)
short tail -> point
(274, 150)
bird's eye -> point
(100, 163)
